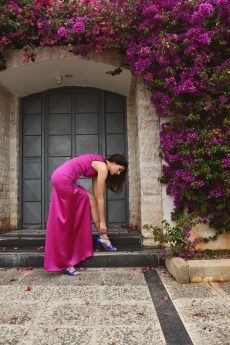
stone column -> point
(14, 163)
(5, 98)
(8, 161)
(148, 162)
(134, 197)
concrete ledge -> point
(178, 268)
(209, 270)
(198, 271)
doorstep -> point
(122, 258)
(198, 271)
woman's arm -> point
(98, 188)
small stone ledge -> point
(209, 270)
(178, 268)
(198, 271)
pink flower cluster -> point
(197, 171)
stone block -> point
(178, 268)
(209, 270)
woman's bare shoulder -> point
(99, 166)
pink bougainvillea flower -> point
(165, 298)
(21, 269)
(223, 99)
(62, 32)
(146, 269)
(142, 270)
(82, 268)
(40, 248)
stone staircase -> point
(24, 248)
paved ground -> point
(110, 306)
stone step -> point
(29, 241)
(122, 258)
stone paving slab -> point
(105, 306)
(204, 310)
(101, 306)
(225, 287)
(97, 336)
(206, 319)
(11, 276)
(18, 314)
(60, 336)
(18, 294)
(12, 334)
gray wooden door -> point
(58, 125)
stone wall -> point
(148, 162)
(14, 163)
(4, 160)
(8, 183)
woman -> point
(69, 231)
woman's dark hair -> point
(115, 182)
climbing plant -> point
(180, 48)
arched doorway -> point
(60, 124)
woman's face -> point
(115, 169)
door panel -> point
(115, 143)
(32, 168)
(33, 105)
(32, 124)
(60, 145)
(32, 190)
(86, 144)
(32, 213)
(115, 123)
(116, 210)
(32, 146)
(31, 165)
(87, 102)
(60, 103)
(86, 123)
(58, 125)
(115, 131)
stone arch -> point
(22, 79)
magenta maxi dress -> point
(69, 229)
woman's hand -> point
(103, 228)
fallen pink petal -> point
(145, 269)
(40, 248)
(165, 298)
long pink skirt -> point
(69, 230)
